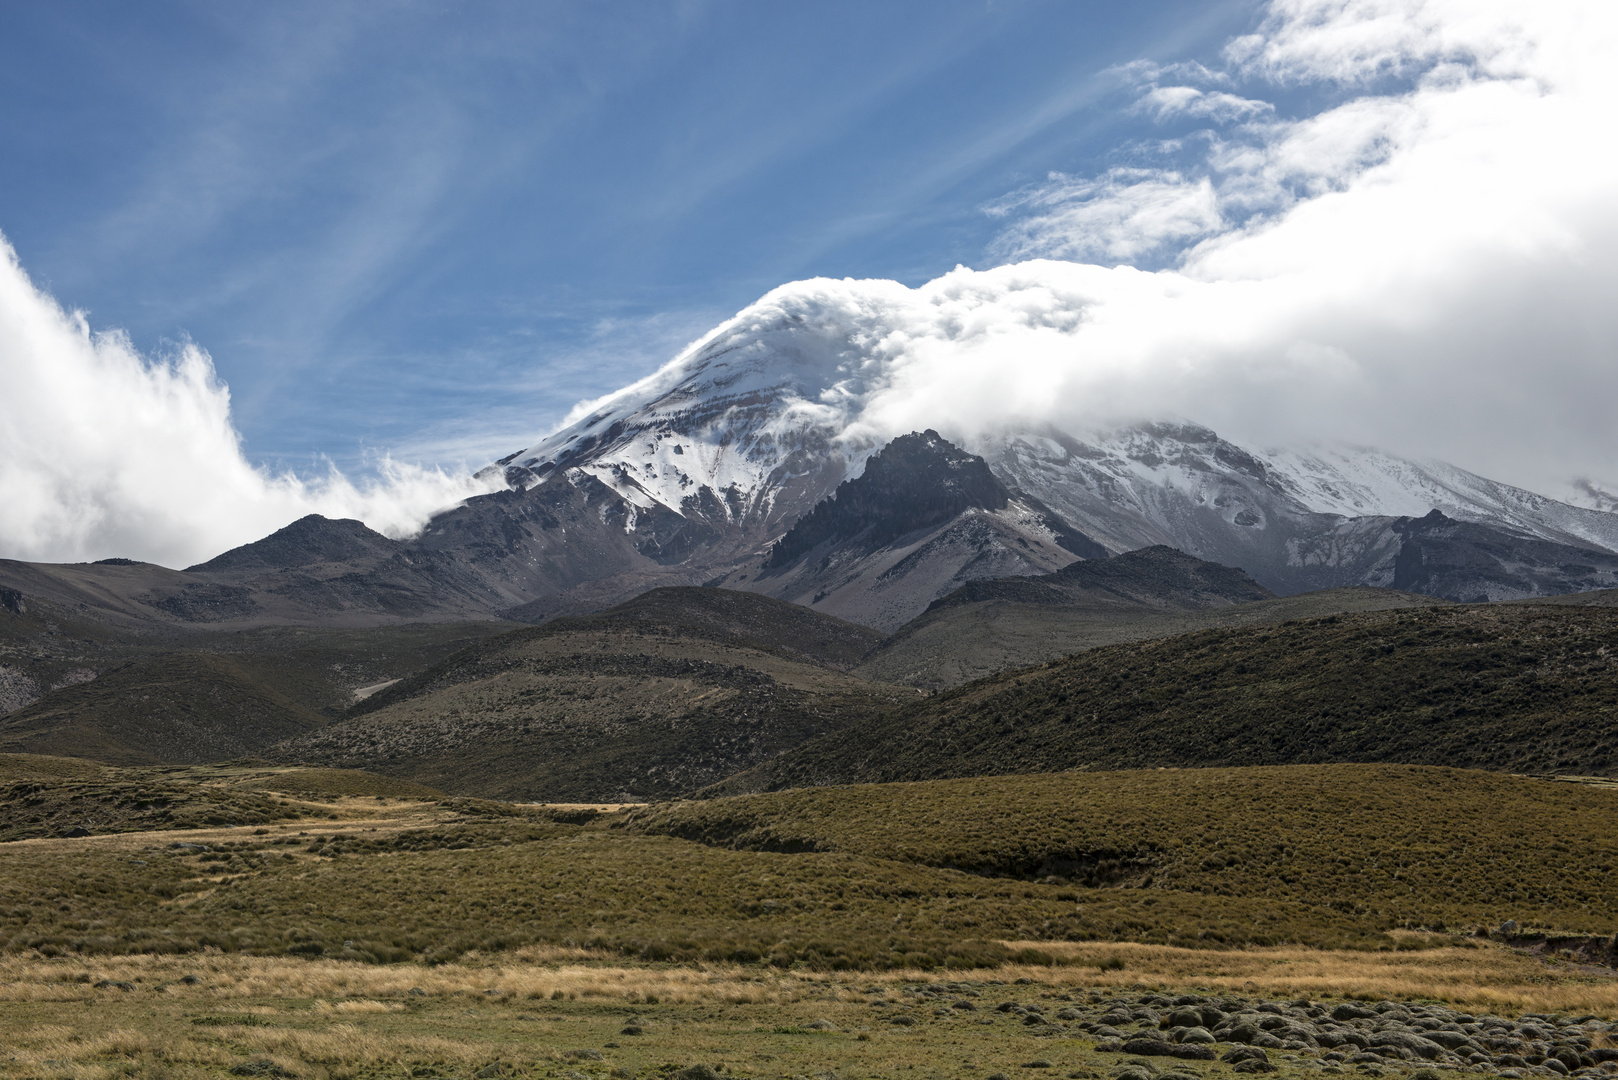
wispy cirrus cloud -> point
(1125, 215)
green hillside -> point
(1514, 687)
(201, 698)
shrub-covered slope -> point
(956, 643)
(760, 620)
(42, 796)
(604, 709)
(205, 697)
(1517, 687)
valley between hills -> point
(1130, 816)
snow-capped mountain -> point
(1296, 519)
(750, 428)
(755, 423)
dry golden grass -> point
(533, 974)
(1479, 975)
(1487, 977)
(542, 1013)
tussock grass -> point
(1484, 976)
(344, 987)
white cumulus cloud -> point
(104, 452)
(1427, 264)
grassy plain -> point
(376, 935)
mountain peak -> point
(917, 480)
(311, 539)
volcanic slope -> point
(129, 700)
(641, 702)
(994, 624)
(757, 620)
(922, 519)
(1519, 687)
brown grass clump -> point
(348, 988)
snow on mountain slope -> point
(1358, 482)
(756, 418)
(1179, 483)
(754, 424)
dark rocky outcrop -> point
(1469, 562)
(917, 480)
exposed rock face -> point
(680, 491)
(1440, 556)
(915, 482)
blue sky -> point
(431, 228)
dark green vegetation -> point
(1519, 687)
(1399, 846)
(53, 796)
(656, 698)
